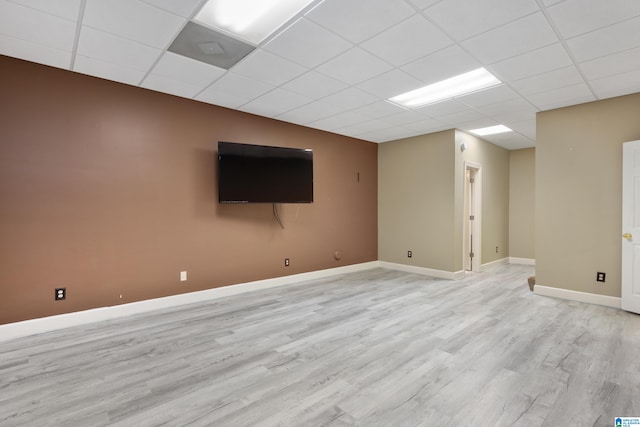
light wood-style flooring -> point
(374, 348)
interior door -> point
(631, 226)
(468, 222)
(472, 210)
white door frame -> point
(476, 211)
(630, 226)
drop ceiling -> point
(335, 63)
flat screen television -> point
(261, 174)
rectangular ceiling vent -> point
(206, 45)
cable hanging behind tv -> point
(261, 174)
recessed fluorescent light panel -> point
(249, 20)
(462, 84)
(491, 130)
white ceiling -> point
(333, 65)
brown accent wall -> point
(111, 190)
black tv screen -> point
(260, 174)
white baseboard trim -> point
(589, 298)
(523, 261)
(61, 321)
(441, 274)
(503, 261)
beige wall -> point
(578, 193)
(420, 199)
(416, 201)
(522, 203)
(111, 191)
(494, 164)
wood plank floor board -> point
(371, 348)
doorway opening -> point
(472, 220)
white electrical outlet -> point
(183, 276)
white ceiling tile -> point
(108, 48)
(509, 109)
(567, 76)
(442, 108)
(134, 20)
(466, 18)
(350, 98)
(569, 95)
(186, 70)
(408, 41)
(489, 96)
(170, 86)
(428, 126)
(514, 116)
(36, 27)
(575, 17)
(350, 134)
(464, 116)
(441, 65)
(222, 99)
(390, 84)
(514, 110)
(606, 41)
(67, 9)
(184, 8)
(364, 127)
(308, 113)
(358, 20)
(241, 87)
(510, 141)
(385, 135)
(34, 52)
(320, 125)
(258, 109)
(401, 118)
(107, 70)
(377, 110)
(276, 102)
(314, 85)
(481, 122)
(610, 65)
(621, 84)
(525, 127)
(391, 134)
(339, 120)
(307, 44)
(267, 67)
(531, 63)
(354, 66)
(312, 74)
(514, 38)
